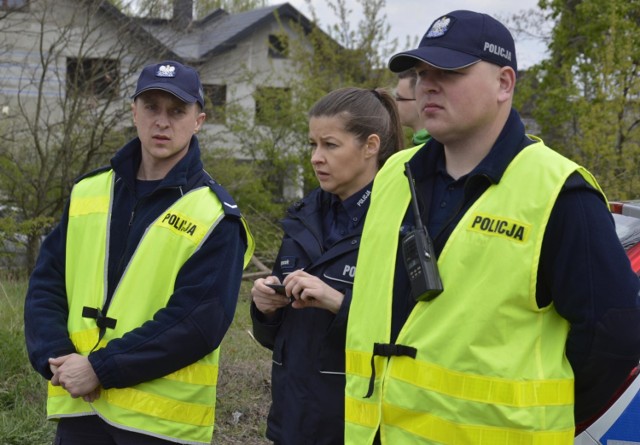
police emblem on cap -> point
(439, 27)
(166, 71)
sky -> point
(413, 17)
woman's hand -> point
(310, 291)
(266, 299)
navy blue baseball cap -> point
(173, 77)
(460, 39)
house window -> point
(96, 78)
(272, 105)
(215, 102)
(278, 46)
(13, 4)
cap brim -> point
(179, 93)
(443, 58)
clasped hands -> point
(74, 373)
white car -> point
(620, 423)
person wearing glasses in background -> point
(405, 96)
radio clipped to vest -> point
(419, 256)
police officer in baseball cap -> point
(536, 327)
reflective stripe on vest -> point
(477, 377)
(179, 406)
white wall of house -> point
(249, 58)
(35, 45)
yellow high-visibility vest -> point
(489, 365)
(181, 405)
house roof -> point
(214, 34)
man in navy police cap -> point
(135, 288)
(537, 322)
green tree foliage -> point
(349, 53)
(256, 157)
(242, 180)
(585, 96)
(344, 55)
(272, 135)
(66, 117)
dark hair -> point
(365, 112)
(409, 74)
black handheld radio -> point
(419, 256)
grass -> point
(243, 383)
(22, 391)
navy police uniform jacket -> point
(583, 271)
(308, 344)
(199, 311)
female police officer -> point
(352, 132)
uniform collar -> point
(510, 142)
(355, 205)
(127, 160)
(309, 209)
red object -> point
(634, 256)
(587, 423)
(615, 207)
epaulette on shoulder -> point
(92, 173)
(228, 204)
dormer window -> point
(278, 46)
